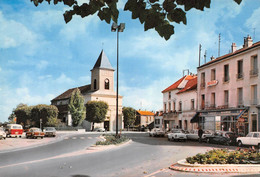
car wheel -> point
(240, 144)
(169, 139)
(173, 139)
(150, 135)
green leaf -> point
(177, 15)
(67, 16)
(165, 31)
(238, 1)
(69, 2)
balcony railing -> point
(240, 103)
(254, 72)
(240, 75)
(254, 102)
(226, 78)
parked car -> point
(49, 131)
(99, 129)
(252, 138)
(177, 134)
(156, 132)
(35, 133)
(14, 130)
(193, 134)
(222, 137)
(2, 133)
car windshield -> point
(177, 131)
(36, 130)
(49, 129)
(249, 135)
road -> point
(144, 156)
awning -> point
(195, 118)
(240, 114)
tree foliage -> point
(31, 115)
(96, 111)
(154, 14)
(77, 108)
(129, 116)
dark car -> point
(222, 137)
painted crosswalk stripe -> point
(82, 138)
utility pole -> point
(219, 40)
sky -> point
(41, 56)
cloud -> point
(42, 64)
(11, 37)
(63, 79)
(253, 22)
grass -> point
(113, 140)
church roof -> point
(67, 94)
(103, 62)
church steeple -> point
(102, 74)
(103, 62)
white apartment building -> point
(179, 103)
(228, 90)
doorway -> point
(106, 125)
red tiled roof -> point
(257, 44)
(67, 94)
(174, 86)
(191, 84)
(145, 113)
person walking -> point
(200, 133)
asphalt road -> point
(144, 156)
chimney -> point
(212, 58)
(233, 47)
(248, 41)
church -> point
(100, 89)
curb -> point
(215, 168)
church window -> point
(107, 84)
(95, 84)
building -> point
(228, 95)
(158, 119)
(144, 118)
(179, 103)
(100, 89)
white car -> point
(156, 132)
(99, 129)
(177, 135)
(252, 138)
(2, 133)
(193, 135)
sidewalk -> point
(17, 143)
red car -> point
(35, 133)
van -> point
(14, 130)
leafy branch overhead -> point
(157, 14)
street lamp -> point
(117, 28)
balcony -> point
(240, 75)
(254, 102)
(253, 72)
(211, 106)
(240, 103)
(226, 79)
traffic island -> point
(182, 165)
(221, 160)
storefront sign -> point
(212, 83)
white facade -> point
(179, 103)
(229, 85)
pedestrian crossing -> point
(80, 138)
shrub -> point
(223, 156)
(112, 139)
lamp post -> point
(117, 28)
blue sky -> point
(41, 56)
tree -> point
(77, 108)
(129, 116)
(96, 112)
(156, 14)
(23, 114)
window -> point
(254, 94)
(213, 100)
(192, 104)
(146, 119)
(254, 66)
(213, 74)
(174, 106)
(164, 107)
(106, 84)
(203, 101)
(202, 83)
(254, 123)
(256, 135)
(170, 95)
(180, 106)
(240, 69)
(226, 98)
(226, 73)
(169, 107)
(95, 84)
(240, 96)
